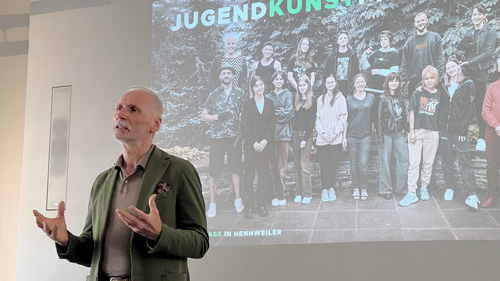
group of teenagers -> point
(356, 97)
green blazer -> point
(182, 211)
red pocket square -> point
(163, 187)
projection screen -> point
(196, 42)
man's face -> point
(226, 76)
(134, 120)
(231, 45)
(267, 51)
(421, 22)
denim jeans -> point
(448, 141)
(493, 158)
(359, 153)
(394, 147)
(301, 160)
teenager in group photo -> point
(331, 123)
(302, 136)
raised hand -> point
(54, 228)
(147, 225)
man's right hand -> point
(54, 228)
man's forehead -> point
(230, 39)
(135, 97)
(421, 17)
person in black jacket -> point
(258, 124)
(391, 128)
(478, 59)
(456, 113)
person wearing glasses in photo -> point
(331, 122)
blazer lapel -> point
(155, 169)
(101, 220)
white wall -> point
(101, 51)
(13, 71)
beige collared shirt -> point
(116, 252)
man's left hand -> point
(147, 225)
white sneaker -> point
(238, 204)
(448, 195)
(282, 202)
(275, 202)
(355, 194)
(364, 194)
(324, 196)
(298, 199)
(331, 195)
(212, 210)
(481, 145)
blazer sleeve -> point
(189, 239)
(80, 248)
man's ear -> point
(156, 125)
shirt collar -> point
(141, 164)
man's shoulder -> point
(175, 161)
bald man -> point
(165, 222)
(239, 63)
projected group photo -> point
(334, 121)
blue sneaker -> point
(331, 195)
(298, 199)
(472, 201)
(448, 195)
(409, 199)
(424, 194)
(324, 196)
(306, 200)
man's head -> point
(268, 50)
(230, 45)
(343, 38)
(421, 22)
(137, 117)
(226, 73)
